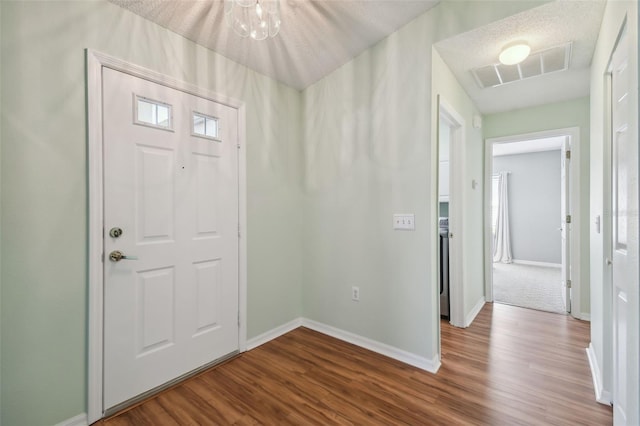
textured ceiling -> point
(545, 26)
(317, 36)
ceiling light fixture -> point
(257, 19)
(514, 53)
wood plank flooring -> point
(513, 366)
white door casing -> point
(565, 227)
(624, 242)
(197, 161)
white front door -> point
(171, 209)
(625, 235)
(565, 225)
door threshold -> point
(137, 400)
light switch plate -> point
(405, 222)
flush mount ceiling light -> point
(514, 53)
(257, 19)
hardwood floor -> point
(513, 366)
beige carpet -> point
(535, 287)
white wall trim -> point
(488, 243)
(95, 62)
(430, 365)
(534, 263)
(585, 316)
(95, 224)
(79, 420)
(602, 396)
(576, 219)
(273, 333)
(242, 218)
(474, 312)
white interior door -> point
(565, 226)
(625, 234)
(171, 209)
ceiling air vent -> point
(538, 63)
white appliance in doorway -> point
(171, 244)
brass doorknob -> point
(117, 256)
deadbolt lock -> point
(115, 232)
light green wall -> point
(601, 325)
(450, 91)
(368, 153)
(366, 156)
(545, 117)
(44, 185)
(574, 113)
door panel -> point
(174, 306)
(156, 316)
(207, 178)
(625, 229)
(208, 295)
(154, 202)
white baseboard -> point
(533, 263)
(79, 420)
(468, 319)
(585, 316)
(602, 396)
(430, 365)
(272, 334)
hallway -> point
(524, 366)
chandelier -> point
(257, 19)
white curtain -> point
(501, 238)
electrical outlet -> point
(355, 294)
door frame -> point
(575, 235)
(95, 62)
(457, 139)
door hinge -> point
(568, 219)
(567, 155)
(568, 283)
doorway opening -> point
(531, 221)
(450, 139)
